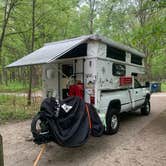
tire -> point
(145, 110)
(40, 130)
(112, 121)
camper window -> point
(67, 70)
(136, 59)
(118, 69)
(115, 53)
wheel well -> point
(115, 104)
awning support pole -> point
(30, 86)
(59, 88)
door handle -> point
(136, 92)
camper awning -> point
(49, 52)
(52, 51)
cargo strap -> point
(89, 118)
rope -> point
(40, 154)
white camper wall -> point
(94, 49)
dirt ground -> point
(141, 141)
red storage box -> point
(125, 80)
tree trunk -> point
(7, 11)
(91, 15)
(32, 48)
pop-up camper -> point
(100, 71)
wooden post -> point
(1, 152)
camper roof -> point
(54, 50)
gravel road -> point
(141, 141)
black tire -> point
(112, 121)
(145, 110)
(40, 131)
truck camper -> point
(98, 70)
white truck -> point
(104, 70)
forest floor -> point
(141, 141)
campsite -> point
(82, 82)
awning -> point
(52, 51)
(49, 52)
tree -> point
(138, 23)
(7, 10)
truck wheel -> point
(145, 110)
(112, 121)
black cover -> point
(68, 128)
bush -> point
(163, 87)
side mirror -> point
(147, 84)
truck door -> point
(138, 97)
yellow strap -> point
(40, 154)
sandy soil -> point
(141, 141)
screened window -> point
(67, 70)
(115, 53)
(136, 59)
(118, 69)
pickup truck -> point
(123, 100)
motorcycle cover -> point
(68, 122)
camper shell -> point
(105, 68)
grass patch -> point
(14, 108)
(15, 87)
(163, 87)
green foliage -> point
(14, 108)
(158, 67)
(137, 23)
(13, 87)
(163, 87)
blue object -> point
(155, 87)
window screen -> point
(136, 59)
(115, 53)
(118, 69)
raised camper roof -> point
(54, 50)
